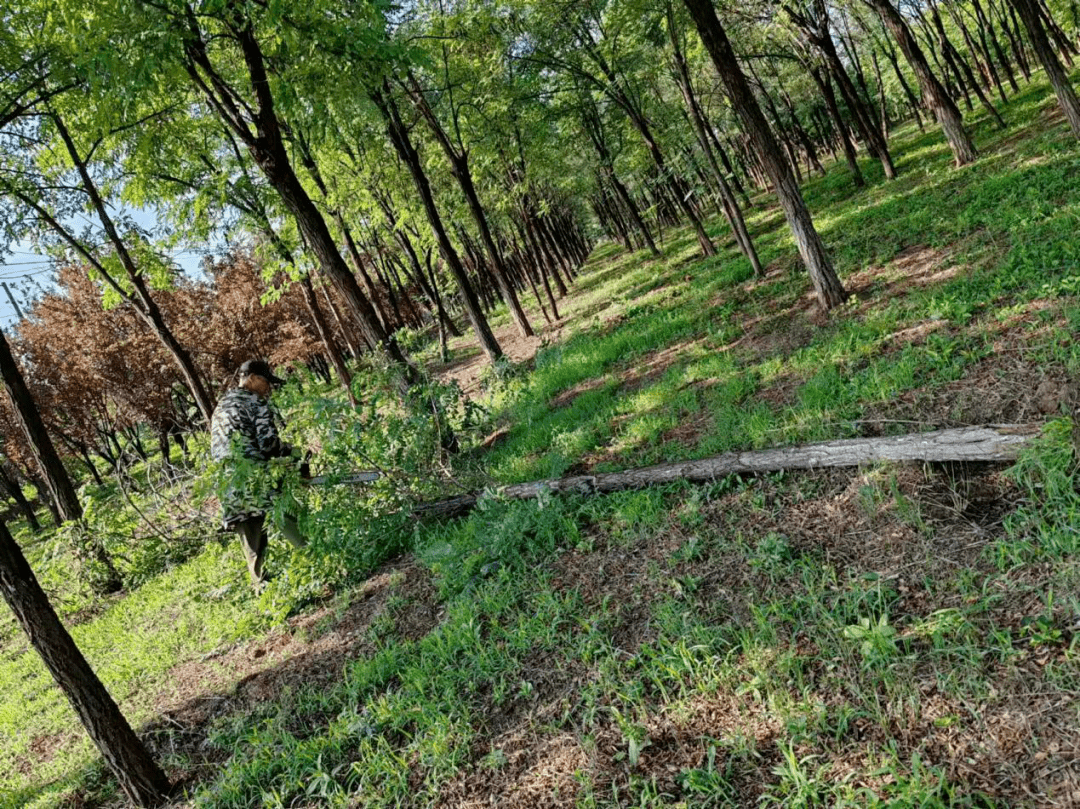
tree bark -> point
(980, 53)
(1059, 79)
(321, 327)
(728, 167)
(964, 444)
(882, 100)
(267, 148)
(1053, 30)
(830, 291)
(139, 776)
(530, 255)
(934, 95)
(399, 136)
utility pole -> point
(11, 298)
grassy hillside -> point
(890, 636)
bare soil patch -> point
(913, 267)
(468, 371)
(566, 398)
(1005, 387)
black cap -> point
(260, 368)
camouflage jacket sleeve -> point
(267, 440)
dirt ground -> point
(468, 369)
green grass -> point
(1007, 221)
(888, 637)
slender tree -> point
(398, 133)
(935, 97)
(139, 776)
(1059, 79)
(61, 491)
(731, 209)
(257, 125)
(830, 291)
(458, 156)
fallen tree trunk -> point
(990, 443)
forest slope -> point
(887, 636)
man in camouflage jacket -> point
(245, 424)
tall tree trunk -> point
(934, 95)
(46, 497)
(307, 158)
(10, 482)
(812, 161)
(429, 289)
(986, 30)
(861, 113)
(1059, 79)
(458, 158)
(979, 52)
(532, 256)
(548, 261)
(728, 167)
(139, 776)
(326, 337)
(1065, 47)
(1011, 26)
(890, 54)
(829, 290)
(697, 118)
(882, 101)
(613, 88)
(523, 265)
(60, 490)
(815, 30)
(321, 327)
(958, 59)
(267, 148)
(610, 217)
(631, 209)
(824, 82)
(360, 266)
(29, 419)
(399, 136)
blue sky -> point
(27, 272)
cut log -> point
(1000, 442)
